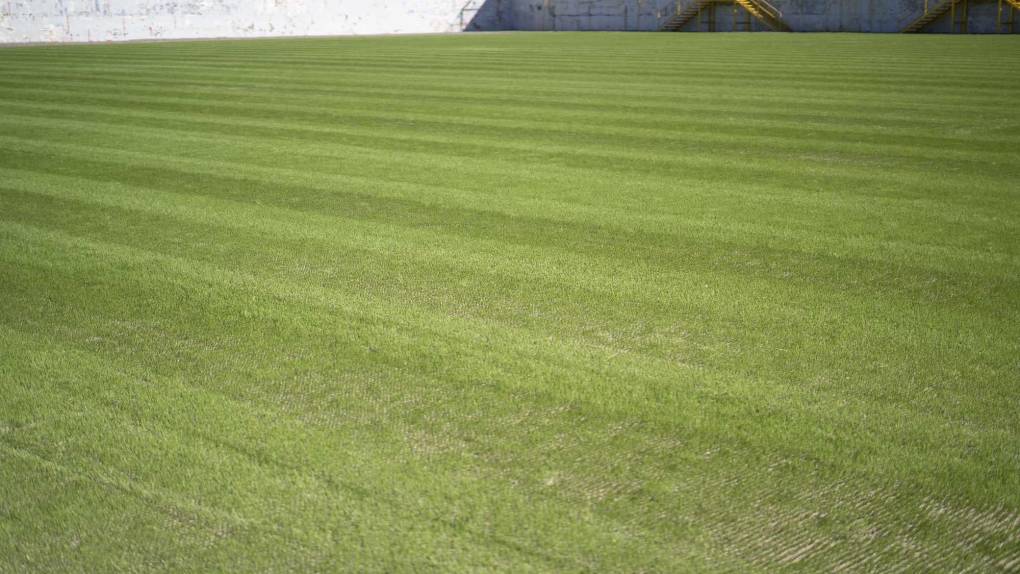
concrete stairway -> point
(760, 9)
(931, 15)
(682, 17)
(767, 13)
(939, 10)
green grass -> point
(613, 302)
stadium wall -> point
(801, 15)
(111, 20)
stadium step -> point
(767, 13)
(934, 13)
(760, 9)
(682, 17)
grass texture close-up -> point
(516, 302)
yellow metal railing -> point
(763, 10)
(767, 8)
(1005, 19)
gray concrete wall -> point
(487, 15)
(110, 20)
(565, 15)
(850, 15)
(802, 15)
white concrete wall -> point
(108, 20)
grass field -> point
(614, 302)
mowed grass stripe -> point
(564, 319)
(264, 264)
(999, 94)
(545, 389)
(461, 218)
(776, 97)
(218, 446)
(877, 76)
(773, 516)
(772, 107)
(701, 168)
(951, 181)
(680, 126)
(964, 283)
(854, 163)
(430, 263)
(484, 190)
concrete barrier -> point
(111, 20)
(801, 15)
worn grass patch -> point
(612, 302)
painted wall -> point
(108, 20)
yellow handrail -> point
(768, 8)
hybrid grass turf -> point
(613, 302)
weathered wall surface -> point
(591, 14)
(875, 15)
(802, 15)
(106, 20)
(850, 15)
